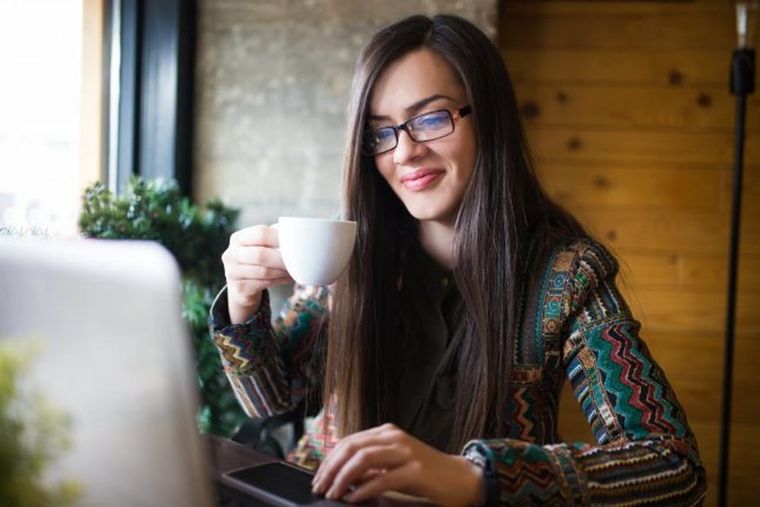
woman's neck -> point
(437, 239)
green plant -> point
(156, 210)
(33, 434)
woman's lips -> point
(421, 179)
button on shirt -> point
(431, 317)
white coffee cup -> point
(315, 250)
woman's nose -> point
(407, 149)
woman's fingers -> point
(367, 458)
(257, 235)
(394, 480)
(350, 445)
(246, 287)
(247, 293)
(387, 458)
(369, 475)
(252, 263)
(250, 272)
(258, 256)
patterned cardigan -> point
(576, 326)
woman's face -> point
(431, 177)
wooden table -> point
(227, 456)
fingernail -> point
(331, 494)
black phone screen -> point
(279, 482)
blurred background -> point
(626, 104)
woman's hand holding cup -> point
(252, 263)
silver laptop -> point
(115, 356)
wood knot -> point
(574, 143)
(561, 97)
(601, 182)
(675, 77)
(530, 109)
(704, 100)
(611, 235)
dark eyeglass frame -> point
(454, 116)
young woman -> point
(468, 300)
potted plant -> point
(33, 434)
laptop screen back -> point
(115, 356)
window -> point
(40, 100)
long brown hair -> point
(504, 219)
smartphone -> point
(277, 483)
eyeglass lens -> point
(426, 127)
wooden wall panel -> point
(693, 311)
(679, 231)
(686, 67)
(691, 271)
(744, 463)
(642, 269)
(709, 272)
(544, 8)
(750, 188)
(627, 110)
(612, 27)
(696, 147)
(637, 106)
(599, 185)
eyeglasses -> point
(422, 128)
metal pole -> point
(742, 84)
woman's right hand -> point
(252, 263)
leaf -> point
(33, 434)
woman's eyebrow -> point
(414, 107)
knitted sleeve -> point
(645, 453)
(270, 364)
